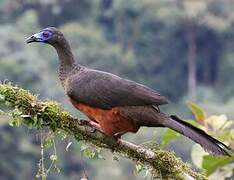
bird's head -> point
(49, 35)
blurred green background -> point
(181, 48)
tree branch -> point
(162, 163)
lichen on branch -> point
(35, 113)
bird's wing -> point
(104, 90)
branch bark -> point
(162, 163)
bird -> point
(116, 105)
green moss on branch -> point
(35, 113)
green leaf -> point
(197, 155)
(168, 135)
(53, 157)
(62, 135)
(8, 104)
(197, 111)
(2, 98)
(15, 122)
(56, 169)
(48, 142)
(139, 168)
(88, 151)
(227, 135)
(115, 158)
(211, 163)
(31, 122)
(83, 147)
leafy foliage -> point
(168, 136)
(211, 164)
(219, 126)
(198, 112)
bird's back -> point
(106, 90)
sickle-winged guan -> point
(113, 104)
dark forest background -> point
(184, 49)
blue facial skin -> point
(43, 36)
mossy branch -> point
(162, 163)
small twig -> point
(43, 172)
(53, 160)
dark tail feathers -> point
(199, 136)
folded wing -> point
(105, 91)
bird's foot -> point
(117, 136)
(93, 126)
(83, 122)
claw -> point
(83, 122)
(93, 129)
(93, 126)
(118, 135)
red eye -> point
(45, 34)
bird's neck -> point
(66, 61)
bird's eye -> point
(45, 34)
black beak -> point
(31, 39)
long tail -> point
(151, 117)
(199, 136)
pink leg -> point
(90, 123)
(94, 124)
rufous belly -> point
(110, 121)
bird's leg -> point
(93, 125)
(83, 122)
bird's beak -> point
(31, 39)
(34, 38)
